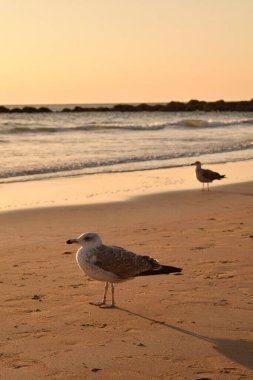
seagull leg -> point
(105, 292)
(203, 188)
(112, 289)
(113, 301)
(207, 186)
(102, 303)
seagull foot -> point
(106, 306)
(102, 304)
(97, 303)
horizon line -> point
(124, 102)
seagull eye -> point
(88, 238)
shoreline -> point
(114, 187)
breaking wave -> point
(97, 128)
(109, 165)
(197, 123)
(8, 128)
(200, 123)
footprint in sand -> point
(225, 276)
(23, 364)
(37, 297)
(97, 325)
(221, 303)
(76, 285)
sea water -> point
(45, 145)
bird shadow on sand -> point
(239, 351)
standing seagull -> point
(113, 264)
(206, 175)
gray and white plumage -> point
(113, 264)
(206, 175)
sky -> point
(112, 51)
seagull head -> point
(87, 240)
(197, 163)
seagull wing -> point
(123, 263)
(209, 174)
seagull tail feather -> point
(164, 269)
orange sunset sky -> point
(103, 51)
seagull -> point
(206, 175)
(112, 264)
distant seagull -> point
(113, 264)
(206, 175)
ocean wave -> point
(247, 121)
(95, 128)
(195, 123)
(201, 123)
(23, 130)
(21, 123)
(109, 165)
(155, 127)
(103, 127)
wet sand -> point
(192, 326)
(114, 187)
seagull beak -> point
(71, 241)
(194, 163)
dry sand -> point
(192, 326)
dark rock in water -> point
(143, 107)
(4, 109)
(24, 110)
(79, 109)
(16, 110)
(101, 109)
(191, 106)
(44, 109)
(29, 110)
(175, 107)
(194, 105)
(123, 108)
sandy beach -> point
(114, 187)
(109, 111)
(197, 325)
